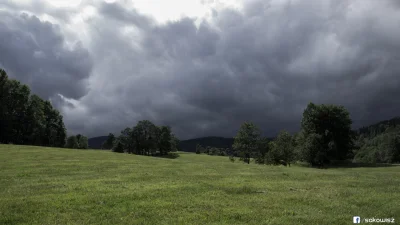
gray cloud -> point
(35, 52)
(205, 77)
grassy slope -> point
(61, 186)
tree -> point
(118, 147)
(382, 148)
(26, 118)
(199, 149)
(165, 144)
(330, 128)
(145, 133)
(262, 150)
(82, 141)
(34, 124)
(313, 150)
(126, 139)
(283, 150)
(15, 99)
(109, 143)
(208, 150)
(55, 132)
(246, 141)
(4, 122)
(223, 152)
(174, 143)
(72, 142)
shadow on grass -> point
(171, 155)
(347, 164)
(356, 165)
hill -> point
(218, 142)
(96, 142)
(185, 145)
(379, 143)
(379, 128)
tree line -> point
(325, 138)
(77, 142)
(212, 150)
(26, 119)
(145, 138)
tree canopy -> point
(27, 119)
(246, 141)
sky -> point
(204, 67)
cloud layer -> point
(204, 76)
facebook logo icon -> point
(356, 219)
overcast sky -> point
(204, 66)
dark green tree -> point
(34, 124)
(145, 141)
(330, 127)
(55, 132)
(16, 100)
(126, 139)
(82, 141)
(282, 150)
(165, 145)
(26, 118)
(246, 141)
(199, 149)
(262, 150)
(109, 143)
(72, 142)
(175, 143)
(118, 147)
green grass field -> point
(62, 186)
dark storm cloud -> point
(35, 52)
(262, 63)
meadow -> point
(41, 185)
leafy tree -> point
(4, 122)
(223, 152)
(313, 150)
(298, 144)
(246, 141)
(262, 150)
(72, 142)
(55, 131)
(174, 143)
(34, 124)
(208, 150)
(165, 144)
(26, 118)
(145, 133)
(214, 151)
(199, 149)
(16, 102)
(282, 150)
(109, 143)
(82, 141)
(330, 127)
(126, 139)
(118, 147)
